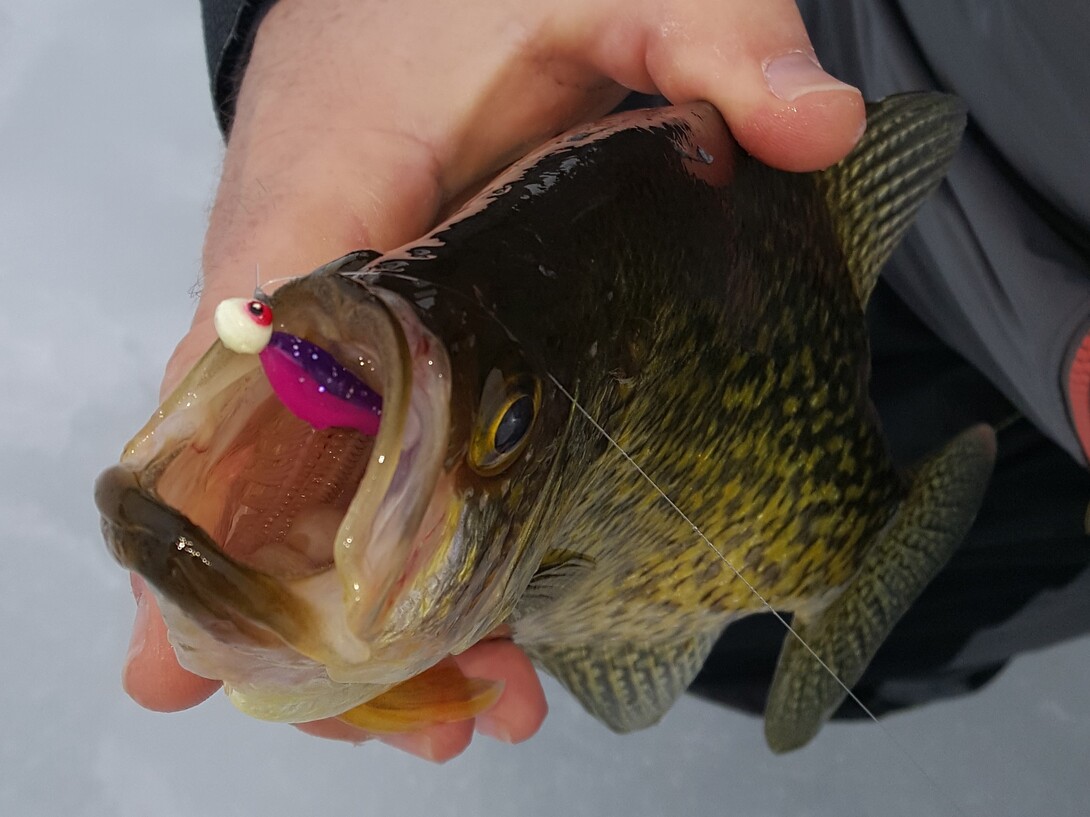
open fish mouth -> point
(246, 503)
(269, 487)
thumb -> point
(753, 61)
(306, 178)
(288, 203)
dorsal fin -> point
(874, 193)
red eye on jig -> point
(244, 324)
(260, 312)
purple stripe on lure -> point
(316, 388)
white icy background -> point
(108, 158)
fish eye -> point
(506, 415)
(244, 324)
(514, 424)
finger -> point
(294, 197)
(276, 217)
(521, 708)
(754, 62)
(333, 729)
(438, 743)
(152, 676)
(296, 201)
(516, 716)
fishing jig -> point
(306, 378)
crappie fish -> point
(616, 402)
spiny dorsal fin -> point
(875, 192)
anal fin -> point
(627, 686)
(927, 528)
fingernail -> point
(139, 627)
(137, 585)
(494, 729)
(425, 748)
(415, 743)
(796, 74)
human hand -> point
(358, 123)
(154, 679)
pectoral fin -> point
(441, 694)
(559, 568)
(627, 686)
(931, 522)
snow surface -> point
(108, 163)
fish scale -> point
(727, 516)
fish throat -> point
(290, 452)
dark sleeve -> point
(229, 29)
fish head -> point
(312, 553)
(312, 566)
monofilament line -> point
(363, 277)
(722, 557)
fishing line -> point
(696, 529)
(368, 277)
